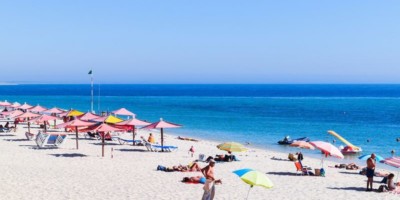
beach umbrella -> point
(37, 109)
(105, 128)
(27, 115)
(133, 122)
(74, 113)
(394, 162)
(15, 105)
(254, 178)
(14, 113)
(108, 119)
(25, 106)
(232, 147)
(5, 103)
(123, 111)
(366, 156)
(327, 149)
(75, 124)
(88, 116)
(43, 119)
(303, 145)
(54, 110)
(161, 125)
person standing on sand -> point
(370, 171)
(209, 186)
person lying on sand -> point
(351, 166)
(181, 168)
(198, 179)
(223, 158)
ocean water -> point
(366, 115)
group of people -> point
(371, 164)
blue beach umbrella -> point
(254, 178)
(366, 156)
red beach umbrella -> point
(5, 103)
(88, 116)
(105, 128)
(327, 148)
(37, 109)
(123, 111)
(42, 119)
(75, 124)
(54, 110)
(133, 122)
(25, 106)
(27, 115)
(161, 125)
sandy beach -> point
(67, 173)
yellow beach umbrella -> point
(112, 120)
(232, 147)
(74, 113)
(254, 178)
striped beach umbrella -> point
(232, 147)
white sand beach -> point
(66, 173)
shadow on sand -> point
(282, 173)
(354, 173)
(16, 140)
(69, 155)
(6, 135)
(132, 150)
(348, 188)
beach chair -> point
(166, 148)
(45, 139)
(29, 136)
(90, 135)
(124, 141)
(300, 169)
(4, 130)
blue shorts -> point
(370, 173)
(202, 180)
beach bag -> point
(208, 185)
(383, 188)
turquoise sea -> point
(366, 115)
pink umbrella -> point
(88, 116)
(5, 103)
(123, 111)
(27, 115)
(302, 144)
(54, 110)
(105, 128)
(42, 119)
(133, 122)
(37, 109)
(100, 119)
(25, 106)
(75, 124)
(327, 148)
(161, 125)
(15, 105)
(393, 161)
(13, 114)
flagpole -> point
(91, 80)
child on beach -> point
(191, 150)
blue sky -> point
(200, 41)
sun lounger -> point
(4, 130)
(124, 141)
(155, 148)
(302, 170)
(50, 139)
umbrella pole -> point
(76, 137)
(29, 127)
(54, 123)
(102, 145)
(45, 127)
(248, 192)
(162, 140)
(133, 135)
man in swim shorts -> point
(370, 171)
